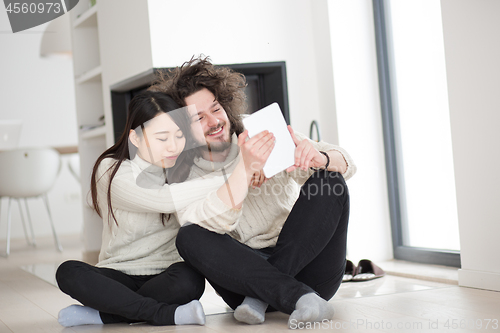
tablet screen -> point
(271, 118)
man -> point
(283, 245)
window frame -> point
(394, 170)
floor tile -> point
(384, 286)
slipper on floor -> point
(350, 271)
(367, 270)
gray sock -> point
(189, 314)
(252, 311)
(310, 308)
(75, 315)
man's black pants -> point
(309, 255)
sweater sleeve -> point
(210, 213)
(127, 195)
(301, 176)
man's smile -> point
(216, 132)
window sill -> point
(419, 271)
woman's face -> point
(161, 143)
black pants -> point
(308, 257)
(131, 298)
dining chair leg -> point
(33, 242)
(9, 220)
(1, 254)
(23, 222)
(56, 240)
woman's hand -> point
(254, 154)
(255, 151)
(306, 155)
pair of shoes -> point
(350, 271)
(365, 271)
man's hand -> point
(258, 179)
(306, 155)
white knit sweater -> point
(140, 244)
(265, 209)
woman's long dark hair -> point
(142, 108)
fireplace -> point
(266, 84)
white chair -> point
(27, 173)
(74, 166)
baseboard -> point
(479, 279)
(90, 257)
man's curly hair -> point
(198, 73)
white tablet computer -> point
(270, 118)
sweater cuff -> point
(351, 167)
(226, 218)
(323, 146)
(219, 205)
(213, 215)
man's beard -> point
(217, 146)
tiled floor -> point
(29, 302)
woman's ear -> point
(134, 138)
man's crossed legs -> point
(308, 259)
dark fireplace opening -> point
(266, 84)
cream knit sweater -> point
(140, 244)
(265, 209)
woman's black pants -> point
(131, 298)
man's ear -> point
(134, 138)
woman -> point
(140, 275)
(136, 187)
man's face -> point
(210, 123)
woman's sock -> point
(190, 313)
(252, 311)
(310, 308)
(75, 315)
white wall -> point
(328, 120)
(41, 93)
(472, 49)
(247, 31)
(124, 41)
(360, 127)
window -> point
(417, 136)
